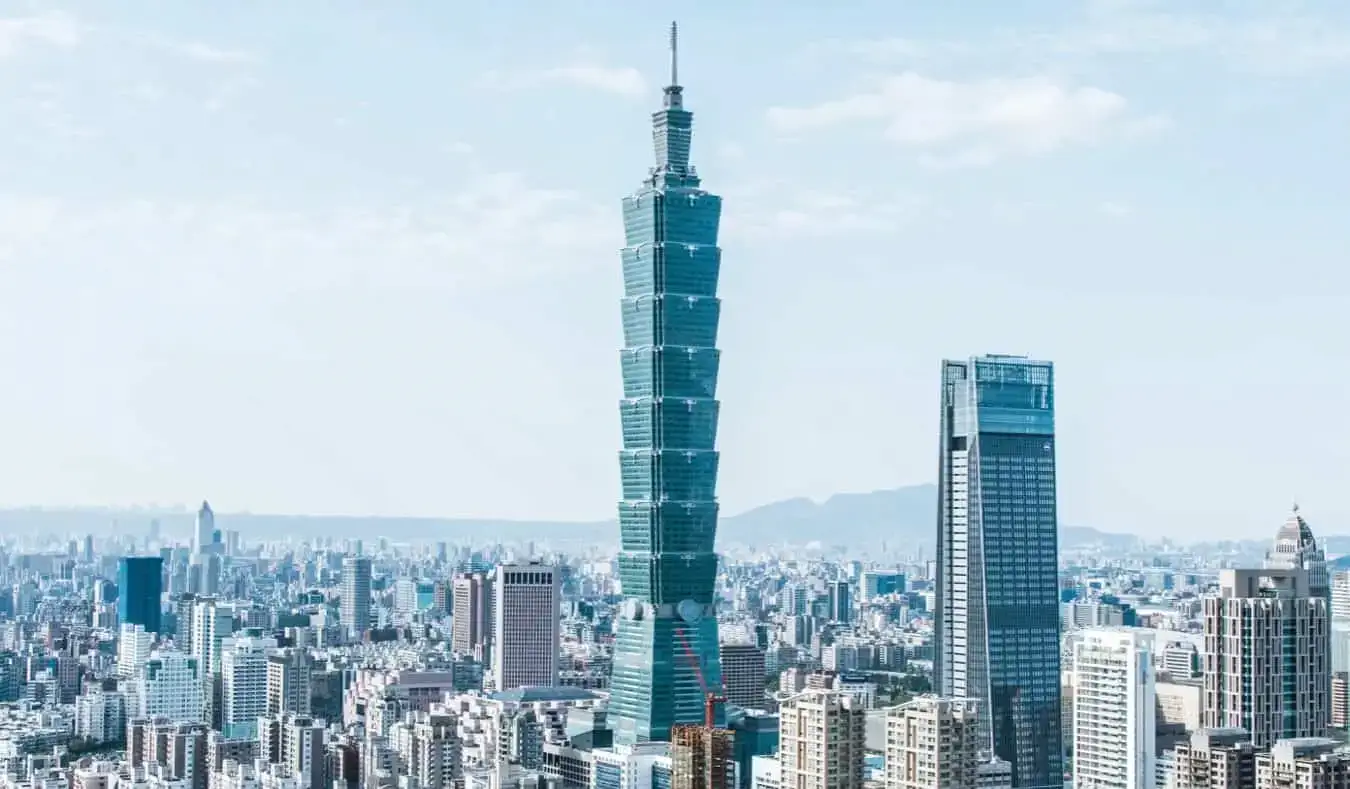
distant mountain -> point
(899, 517)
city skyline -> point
(250, 243)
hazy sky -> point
(354, 257)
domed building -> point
(1296, 548)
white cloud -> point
(973, 123)
(1116, 209)
(782, 211)
(621, 81)
(499, 228)
(52, 29)
(1267, 42)
(206, 53)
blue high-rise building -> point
(665, 651)
(997, 562)
(140, 584)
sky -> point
(346, 257)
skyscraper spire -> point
(674, 54)
(673, 90)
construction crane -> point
(710, 698)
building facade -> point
(821, 741)
(170, 685)
(355, 607)
(933, 743)
(1267, 656)
(997, 608)
(666, 636)
(472, 620)
(527, 636)
(243, 673)
(1114, 709)
(743, 672)
(140, 585)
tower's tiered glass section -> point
(666, 645)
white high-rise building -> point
(933, 743)
(1267, 663)
(356, 594)
(526, 631)
(1114, 709)
(821, 741)
(134, 644)
(170, 684)
(1340, 621)
(101, 716)
(243, 682)
(212, 622)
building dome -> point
(1296, 548)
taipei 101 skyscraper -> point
(665, 654)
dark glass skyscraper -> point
(998, 584)
(140, 584)
(666, 642)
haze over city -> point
(326, 258)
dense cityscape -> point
(999, 657)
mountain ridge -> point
(896, 517)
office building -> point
(170, 685)
(821, 740)
(355, 610)
(997, 614)
(212, 623)
(743, 675)
(134, 644)
(1340, 621)
(666, 633)
(243, 676)
(471, 617)
(1340, 700)
(288, 681)
(1340, 597)
(204, 530)
(841, 602)
(879, 583)
(1114, 709)
(140, 584)
(526, 636)
(933, 743)
(1267, 656)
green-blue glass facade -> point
(666, 633)
(997, 606)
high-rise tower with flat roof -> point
(666, 643)
(997, 610)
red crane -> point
(710, 699)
